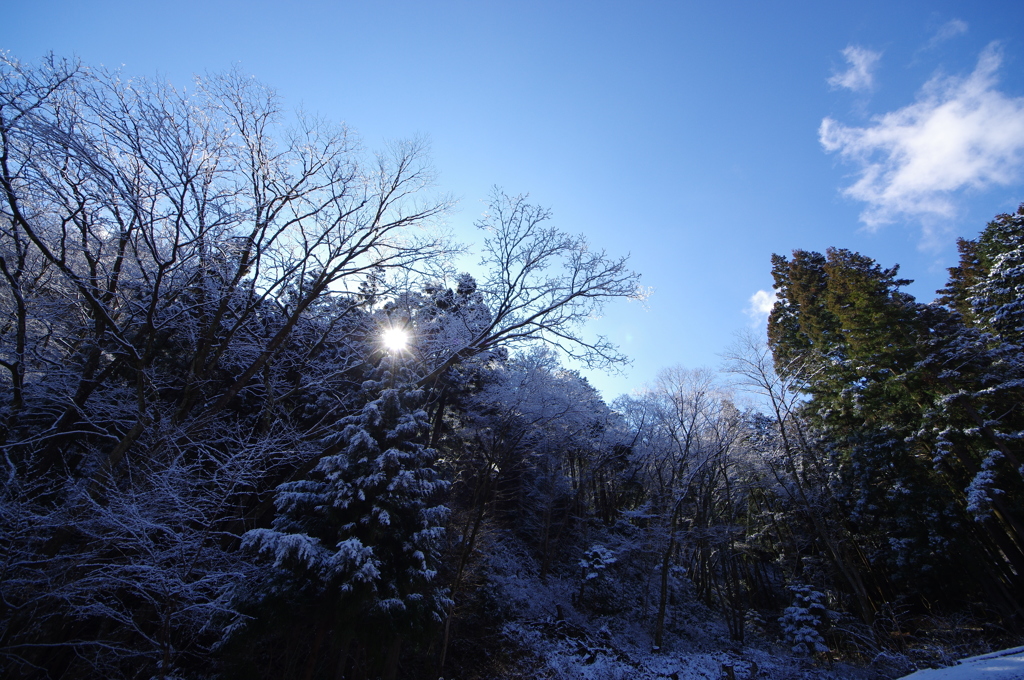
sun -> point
(395, 339)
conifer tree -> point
(356, 544)
(919, 407)
(971, 289)
(854, 338)
(997, 298)
(977, 421)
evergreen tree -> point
(987, 275)
(997, 298)
(855, 340)
(356, 544)
(977, 422)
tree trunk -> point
(666, 562)
(390, 671)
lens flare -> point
(395, 339)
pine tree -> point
(977, 422)
(803, 622)
(919, 407)
(987, 276)
(854, 338)
(356, 544)
(997, 299)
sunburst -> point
(395, 339)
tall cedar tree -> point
(855, 341)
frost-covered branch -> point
(543, 285)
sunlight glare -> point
(395, 339)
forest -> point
(255, 424)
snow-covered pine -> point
(803, 621)
(997, 297)
(595, 561)
(360, 536)
(982, 489)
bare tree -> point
(684, 433)
(154, 205)
(167, 259)
(800, 473)
(542, 285)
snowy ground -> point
(567, 653)
(1005, 665)
(568, 644)
(548, 635)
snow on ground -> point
(556, 637)
(567, 653)
(581, 648)
(1005, 665)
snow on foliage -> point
(803, 622)
(364, 531)
(982, 488)
(595, 561)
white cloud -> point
(859, 76)
(961, 133)
(950, 29)
(760, 306)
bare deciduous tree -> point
(542, 285)
(168, 258)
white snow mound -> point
(1007, 664)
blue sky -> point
(697, 137)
